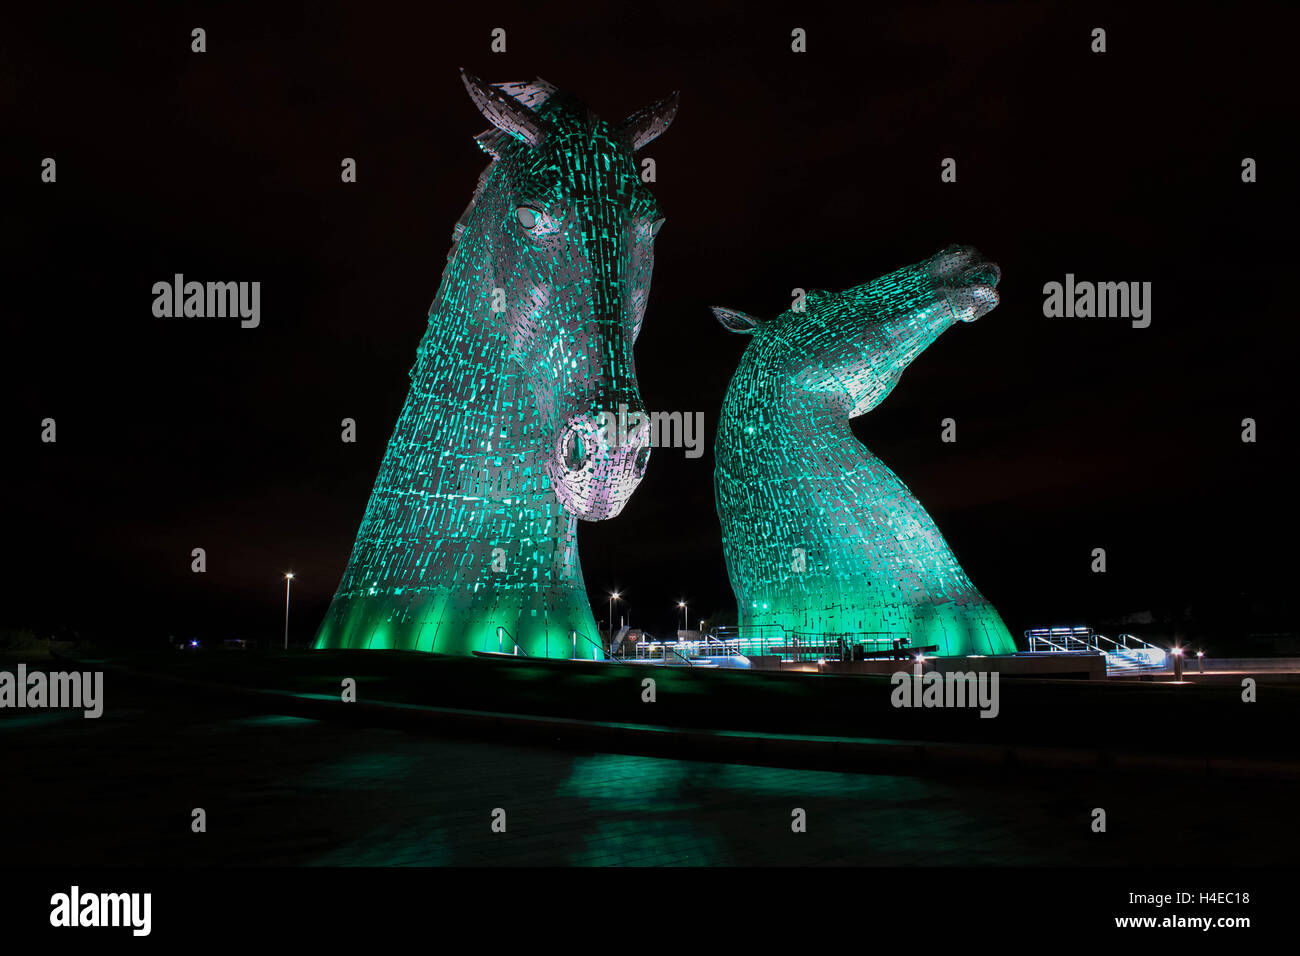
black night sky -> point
(818, 170)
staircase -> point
(1125, 654)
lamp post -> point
(613, 596)
(1178, 663)
(1200, 661)
(686, 618)
(288, 579)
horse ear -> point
(532, 95)
(644, 125)
(733, 320)
(504, 111)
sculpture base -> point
(437, 622)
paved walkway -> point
(283, 790)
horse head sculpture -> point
(572, 228)
(822, 539)
(469, 541)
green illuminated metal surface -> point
(823, 541)
(469, 541)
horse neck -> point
(473, 392)
(805, 435)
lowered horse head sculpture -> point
(822, 539)
(469, 539)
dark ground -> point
(285, 790)
(1198, 718)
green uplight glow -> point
(469, 540)
(822, 539)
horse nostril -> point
(986, 273)
(575, 451)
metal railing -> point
(503, 633)
(645, 650)
(1060, 639)
(724, 648)
(598, 652)
(800, 645)
(1124, 652)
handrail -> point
(775, 637)
(501, 629)
(725, 645)
(724, 629)
(1142, 644)
(1125, 651)
(677, 653)
(1036, 640)
(597, 647)
(643, 651)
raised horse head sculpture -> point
(469, 540)
(821, 538)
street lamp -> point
(686, 618)
(613, 596)
(288, 579)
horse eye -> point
(656, 226)
(527, 217)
